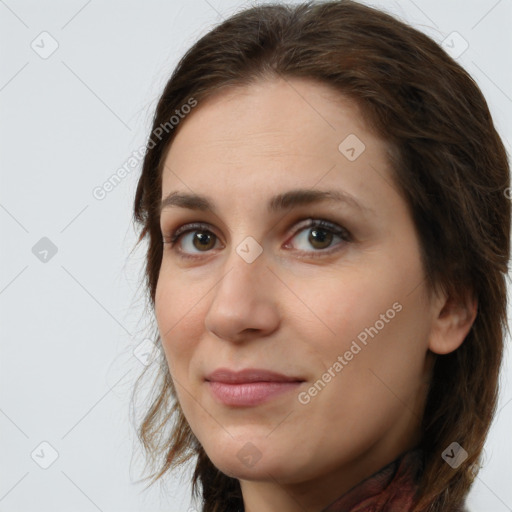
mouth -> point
(249, 387)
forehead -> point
(292, 115)
(265, 137)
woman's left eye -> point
(316, 233)
(320, 235)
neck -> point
(313, 495)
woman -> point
(324, 199)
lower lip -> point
(249, 393)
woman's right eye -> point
(196, 235)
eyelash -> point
(312, 223)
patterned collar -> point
(391, 489)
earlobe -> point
(452, 324)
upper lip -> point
(249, 375)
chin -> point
(235, 455)
(252, 460)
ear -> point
(453, 318)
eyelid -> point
(299, 225)
(185, 228)
(303, 221)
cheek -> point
(178, 317)
(382, 362)
(376, 325)
(340, 307)
(180, 329)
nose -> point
(244, 304)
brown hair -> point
(450, 164)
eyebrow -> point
(278, 203)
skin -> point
(290, 311)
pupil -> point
(203, 238)
(320, 236)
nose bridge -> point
(245, 262)
(249, 250)
(242, 300)
(246, 266)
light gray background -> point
(69, 325)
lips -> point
(250, 387)
(227, 376)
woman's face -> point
(340, 309)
